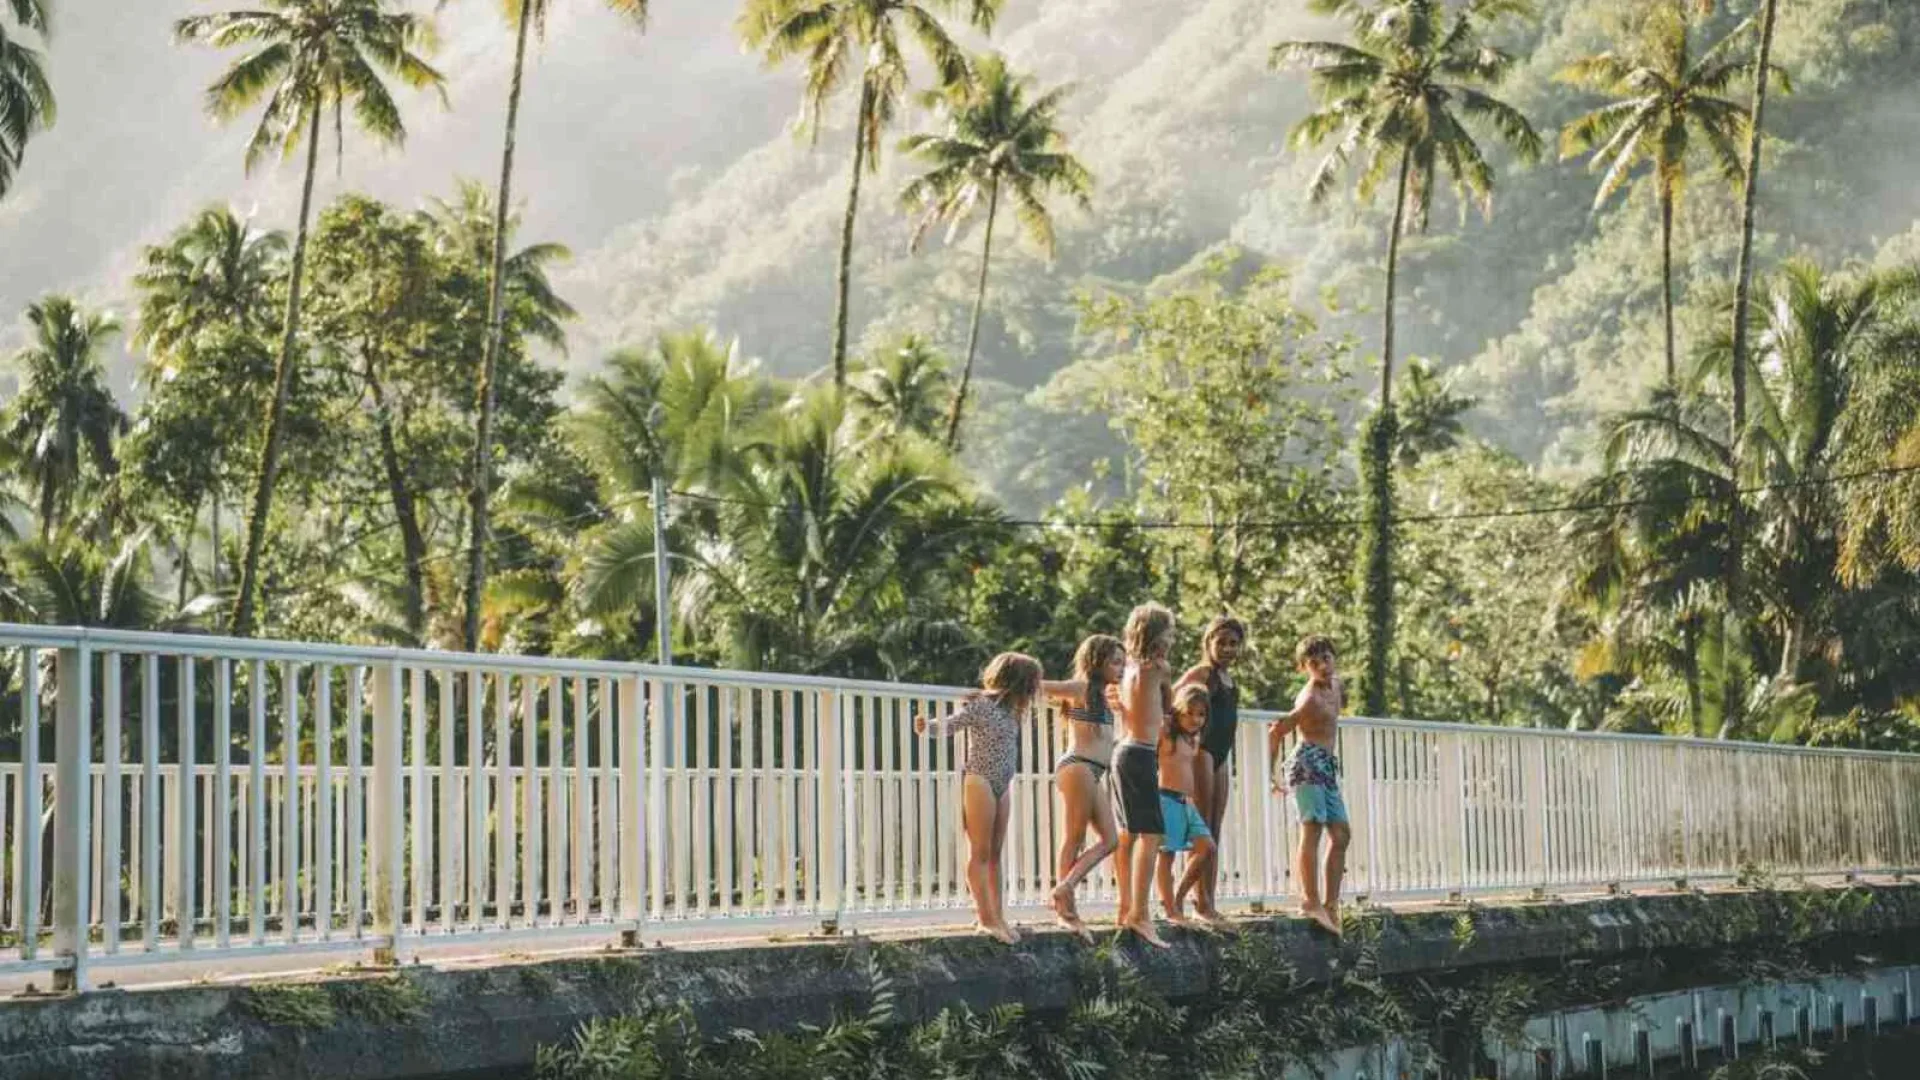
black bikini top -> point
(1093, 709)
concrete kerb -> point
(493, 1018)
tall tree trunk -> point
(1666, 280)
(973, 334)
(1742, 300)
(1690, 651)
(844, 281)
(269, 470)
(490, 356)
(215, 561)
(413, 542)
(1377, 575)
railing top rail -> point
(252, 649)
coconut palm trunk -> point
(1742, 299)
(844, 279)
(1377, 579)
(1666, 277)
(973, 333)
(406, 511)
(269, 471)
(477, 523)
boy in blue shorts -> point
(1186, 827)
(1312, 777)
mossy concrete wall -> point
(491, 1020)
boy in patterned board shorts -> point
(1186, 826)
(1312, 777)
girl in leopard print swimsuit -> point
(991, 720)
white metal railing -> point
(210, 798)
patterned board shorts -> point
(1313, 779)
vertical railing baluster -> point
(388, 818)
(290, 801)
(420, 865)
(505, 834)
(607, 810)
(186, 884)
(222, 802)
(451, 850)
(530, 823)
(476, 848)
(833, 796)
(257, 802)
(323, 852)
(356, 800)
(110, 804)
(73, 801)
(638, 857)
(658, 718)
(580, 844)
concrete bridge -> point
(210, 806)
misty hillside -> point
(667, 163)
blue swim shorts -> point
(1320, 803)
(1184, 823)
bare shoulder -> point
(1198, 673)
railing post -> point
(1686, 818)
(1622, 869)
(658, 723)
(1453, 796)
(833, 798)
(1534, 784)
(72, 801)
(388, 822)
(634, 819)
(1262, 796)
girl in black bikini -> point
(1080, 774)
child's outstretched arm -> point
(1069, 690)
(972, 714)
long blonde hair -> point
(1148, 624)
(1013, 680)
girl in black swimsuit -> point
(1219, 646)
(1080, 774)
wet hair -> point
(1221, 624)
(1148, 624)
(1311, 646)
(1012, 678)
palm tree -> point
(1657, 553)
(836, 35)
(822, 563)
(1665, 96)
(64, 415)
(996, 139)
(308, 57)
(711, 405)
(215, 271)
(1403, 97)
(899, 391)
(1431, 411)
(525, 15)
(1742, 300)
(26, 97)
(463, 229)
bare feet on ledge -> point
(1143, 929)
(1217, 921)
(1001, 933)
(1068, 916)
(1322, 917)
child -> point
(1080, 774)
(1186, 828)
(1312, 776)
(1144, 696)
(1010, 688)
(1220, 646)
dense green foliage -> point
(1205, 440)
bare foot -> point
(1063, 905)
(1003, 934)
(1217, 921)
(1143, 929)
(1182, 920)
(1320, 916)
